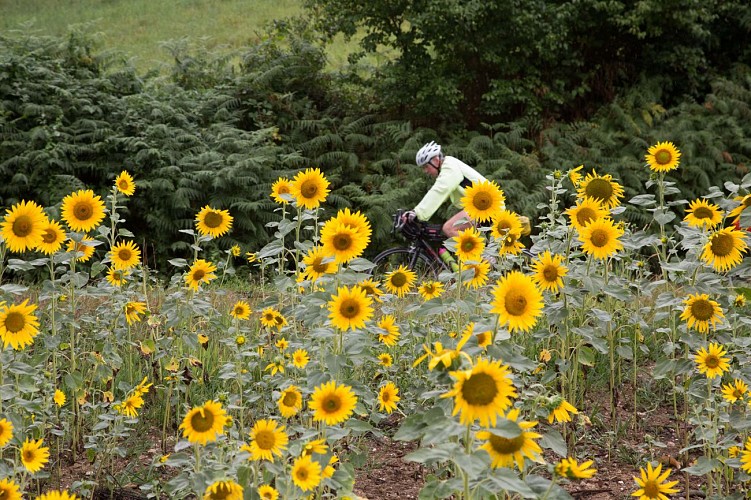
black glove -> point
(409, 216)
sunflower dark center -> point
(600, 238)
(502, 226)
(585, 215)
(702, 310)
(278, 319)
(289, 399)
(550, 273)
(712, 361)
(202, 421)
(302, 474)
(283, 189)
(385, 397)
(48, 237)
(482, 337)
(482, 201)
(651, 489)
(318, 265)
(506, 446)
(213, 219)
(468, 245)
(722, 244)
(516, 303)
(14, 322)
(398, 280)
(430, 288)
(83, 211)
(599, 189)
(703, 213)
(29, 456)
(332, 404)
(509, 240)
(125, 254)
(4, 494)
(239, 311)
(23, 226)
(738, 393)
(350, 308)
(479, 389)
(663, 157)
(123, 184)
(265, 440)
(198, 274)
(342, 241)
(222, 491)
(309, 189)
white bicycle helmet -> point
(427, 153)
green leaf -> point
(703, 466)
(553, 440)
(586, 356)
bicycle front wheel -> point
(414, 260)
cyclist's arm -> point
(446, 182)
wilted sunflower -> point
(18, 325)
(517, 301)
(9, 490)
(701, 312)
(504, 223)
(559, 410)
(6, 431)
(549, 271)
(430, 289)
(400, 281)
(652, 485)
(124, 183)
(83, 250)
(267, 492)
(388, 324)
(371, 289)
(33, 455)
(585, 211)
(117, 277)
(602, 188)
(318, 262)
(478, 275)
(724, 249)
(332, 403)
(300, 358)
(711, 361)
(267, 439)
(223, 490)
(281, 191)
(290, 401)
(82, 210)
(735, 391)
(570, 469)
(342, 241)
(469, 244)
(200, 272)
(483, 201)
(350, 308)
(600, 238)
(484, 392)
(504, 451)
(23, 226)
(213, 222)
(701, 213)
(306, 473)
(204, 423)
(309, 188)
(53, 237)
(388, 396)
(663, 157)
(125, 255)
(133, 311)
(385, 360)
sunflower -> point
(268, 317)
(282, 344)
(711, 361)
(82, 210)
(267, 492)
(57, 495)
(400, 281)
(430, 289)
(663, 157)
(33, 455)
(388, 396)
(241, 310)
(385, 360)
(342, 241)
(746, 456)
(130, 406)
(223, 490)
(117, 277)
(504, 451)
(309, 188)
(300, 358)
(267, 439)
(59, 397)
(703, 214)
(701, 312)
(124, 183)
(200, 272)
(652, 484)
(745, 202)
(600, 238)
(739, 300)
(18, 325)
(9, 490)
(83, 250)
(483, 392)
(469, 244)
(356, 221)
(724, 249)
(504, 223)
(306, 473)
(549, 271)
(281, 191)
(204, 423)
(6, 431)
(559, 410)
(735, 391)
(125, 255)
(371, 289)
(317, 263)
(315, 447)
(511, 245)
(602, 188)
(290, 401)
(479, 275)
(23, 226)
(484, 339)
(213, 222)
(351, 308)
(575, 176)
(483, 201)
(133, 310)
(585, 211)
(517, 301)
(570, 469)
(329, 470)
(53, 237)
(332, 403)
(388, 324)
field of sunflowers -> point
(267, 384)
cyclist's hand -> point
(408, 216)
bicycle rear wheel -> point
(414, 260)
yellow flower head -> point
(200, 272)
(600, 238)
(560, 409)
(34, 456)
(306, 473)
(23, 226)
(725, 248)
(652, 485)
(343, 241)
(350, 308)
(281, 191)
(388, 396)
(701, 312)
(290, 401)
(125, 255)
(469, 244)
(478, 275)
(391, 330)
(213, 222)
(223, 490)
(483, 201)
(712, 361)
(549, 271)
(133, 311)
(570, 469)
(318, 262)
(53, 237)
(18, 324)
(701, 213)
(735, 391)
(400, 281)
(507, 452)
(430, 289)
(9, 490)
(82, 211)
(6, 431)
(117, 277)
(124, 183)
(663, 157)
(83, 249)
(267, 438)
(517, 301)
(332, 403)
(204, 423)
(59, 397)
(602, 188)
(241, 310)
(310, 188)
